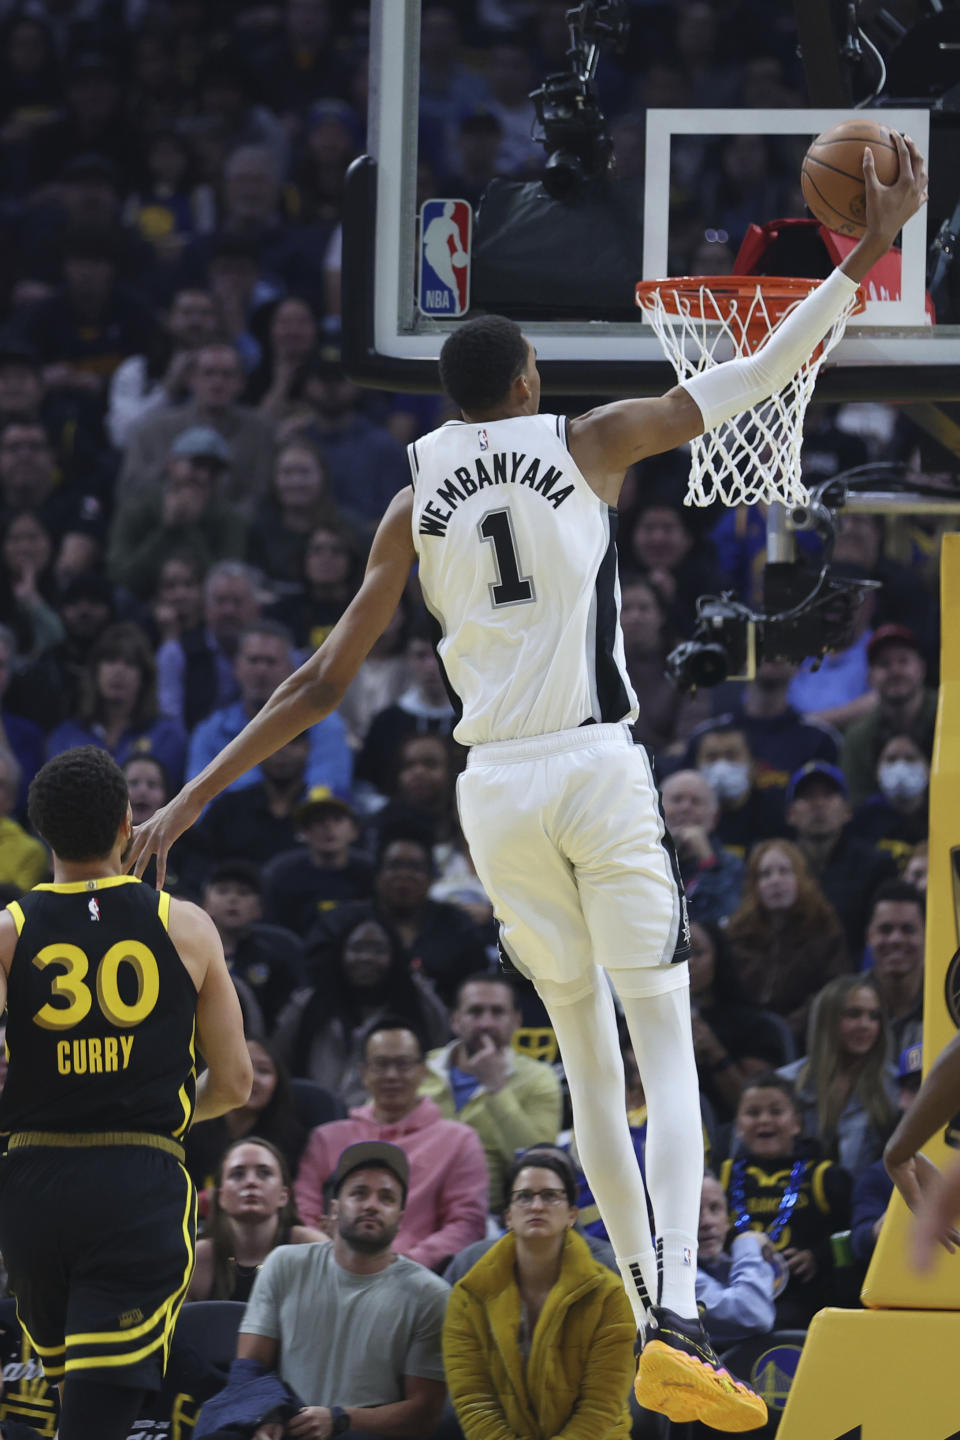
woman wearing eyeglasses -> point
(538, 1332)
(846, 1087)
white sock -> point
(677, 1252)
(659, 1027)
(586, 1032)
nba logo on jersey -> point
(93, 905)
(482, 440)
(444, 269)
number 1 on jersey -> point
(510, 587)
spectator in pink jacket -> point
(449, 1185)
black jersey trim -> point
(612, 694)
(435, 630)
(414, 463)
(77, 887)
(562, 431)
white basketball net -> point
(756, 455)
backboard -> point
(891, 351)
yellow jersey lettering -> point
(63, 1056)
(126, 1045)
(79, 1057)
(68, 986)
(95, 1056)
(111, 1053)
(146, 972)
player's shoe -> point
(680, 1376)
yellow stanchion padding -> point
(876, 1375)
(891, 1282)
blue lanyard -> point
(785, 1209)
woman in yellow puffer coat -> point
(538, 1338)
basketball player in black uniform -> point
(110, 987)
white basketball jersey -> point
(518, 565)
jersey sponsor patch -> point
(443, 272)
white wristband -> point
(728, 389)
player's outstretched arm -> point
(607, 441)
(937, 1101)
(228, 1078)
(303, 698)
(937, 1217)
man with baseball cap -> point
(905, 706)
(324, 871)
(377, 1315)
(188, 514)
(269, 958)
(215, 380)
(849, 870)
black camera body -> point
(802, 617)
(570, 124)
(573, 130)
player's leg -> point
(98, 1410)
(585, 1025)
(133, 1228)
(534, 894)
(33, 1201)
(659, 1027)
(610, 827)
(634, 909)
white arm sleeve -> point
(728, 389)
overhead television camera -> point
(570, 124)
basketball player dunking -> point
(107, 983)
(558, 806)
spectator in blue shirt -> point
(264, 658)
(736, 1286)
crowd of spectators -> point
(188, 488)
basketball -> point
(832, 174)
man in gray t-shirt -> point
(350, 1325)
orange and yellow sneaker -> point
(680, 1376)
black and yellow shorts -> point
(98, 1241)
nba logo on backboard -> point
(444, 269)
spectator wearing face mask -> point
(905, 705)
(896, 818)
(748, 813)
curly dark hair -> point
(77, 802)
(480, 361)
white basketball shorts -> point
(568, 840)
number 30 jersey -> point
(100, 1032)
(518, 565)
